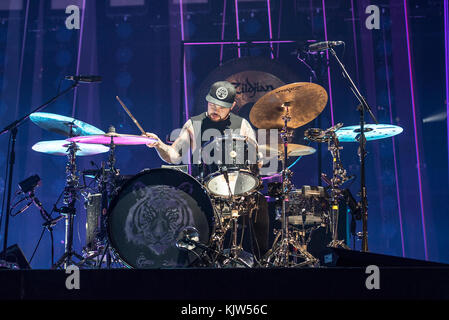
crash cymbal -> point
(62, 124)
(118, 139)
(293, 150)
(60, 148)
(305, 102)
(372, 132)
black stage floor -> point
(276, 284)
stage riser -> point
(228, 284)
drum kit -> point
(167, 218)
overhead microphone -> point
(324, 45)
(84, 79)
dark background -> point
(140, 53)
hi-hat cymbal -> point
(60, 148)
(305, 101)
(63, 125)
(116, 138)
(372, 132)
(293, 150)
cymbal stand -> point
(108, 188)
(338, 178)
(69, 210)
(280, 254)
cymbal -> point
(372, 132)
(117, 138)
(62, 124)
(60, 148)
(293, 150)
(305, 101)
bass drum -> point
(149, 214)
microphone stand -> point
(13, 128)
(362, 108)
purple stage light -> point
(80, 45)
(355, 42)
(328, 68)
(222, 30)
(235, 42)
(412, 93)
(279, 27)
(446, 59)
(269, 28)
(237, 24)
(181, 15)
(19, 85)
(394, 147)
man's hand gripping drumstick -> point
(146, 134)
(166, 152)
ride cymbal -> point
(304, 101)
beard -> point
(215, 117)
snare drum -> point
(231, 159)
(149, 214)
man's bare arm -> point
(172, 153)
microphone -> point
(325, 45)
(84, 79)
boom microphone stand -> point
(13, 128)
(362, 145)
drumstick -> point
(131, 116)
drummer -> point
(220, 102)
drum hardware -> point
(60, 148)
(108, 185)
(306, 101)
(280, 255)
(147, 215)
(372, 132)
(236, 173)
(288, 107)
(189, 240)
(66, 126)
(339, 176)
(229, 212)
(69, 210)
(69, 127)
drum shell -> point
(235, 155)
(235, 152)
(149, 213)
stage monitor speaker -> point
(349, 258)
(14, 255)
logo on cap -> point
(221, 93)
